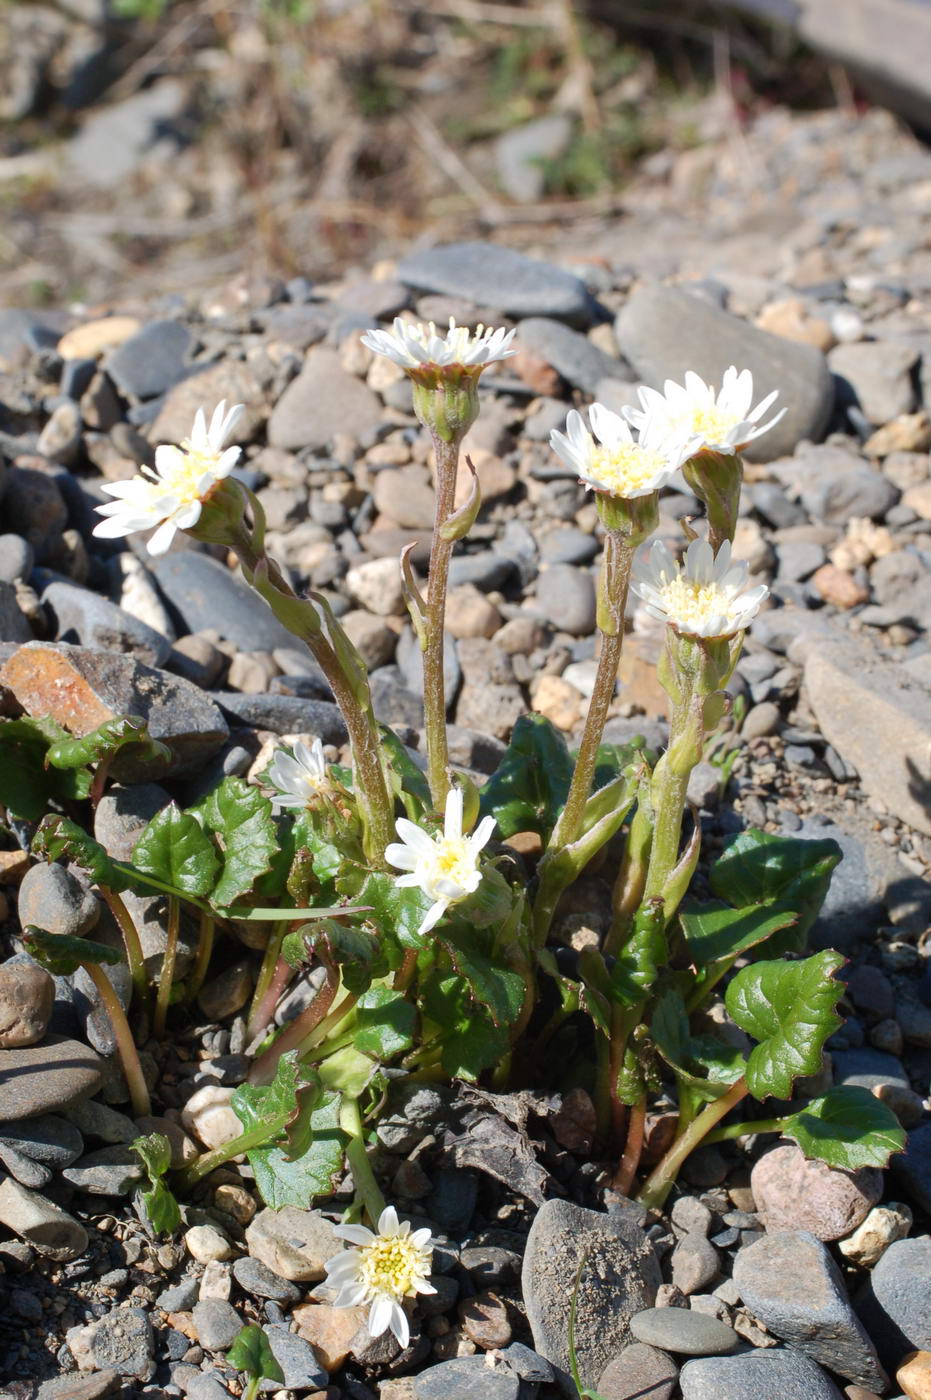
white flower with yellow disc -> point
(413, 345)
(445, 866)
(298, 777)
(381, 1271)
(611, 460)
(723, 421)
(708, 597)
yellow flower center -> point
(183, 478)
(453, 860)
(625, 467)
(712, 423)
(390, 1264)
(691, 605)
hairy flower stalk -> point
(444, 372)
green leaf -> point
(106, 740)
(396, 912)
(27, 786)
(61, 954)
(252, 1353)
(643, 955)
(385, 1023)
(175, 850)
(60, 838)
(848, 1127)
(240, 817)
(470, 1040)
(715, 931)
(498, 990)
(411, 783)
(705, 1064)
(278, 1103)
(532, 781)
(761, 868)
(789, 1008)
(360, 955)
(348, 1071)
(286, 1182)
(162, 1209)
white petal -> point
(380, 1315)
(434, 914)
(400, 1325)
(161, 540)
(388, 1221)
(452, 820)
(414, 836)
(482, 834)
(609, 428)
(355, 1234)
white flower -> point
(444, 867)
(725, 422)
(708, 598)
(613, 460)
(298, 778)
(383, 1269)
(171, 495)
(411, 346)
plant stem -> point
(208, 1162)
(434, 685)
(332, 1019)
(263, 1070)
(126, 1046)
(260, 1012)
(670, 785)
(205, 939)
(163, 996)
(660, 1181)
(630, 1161)
(131, 943)
(748, 1126)
(614, 584)
(363, 1178)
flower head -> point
(723, 422)
(172, 494)
(445, 867)
(415, 346)
(298, 777)
(707, 598)
(611, 460)
(381, 1270)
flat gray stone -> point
(757, 1375)
(912, 1169)
(684, 1332)
(570, 353)
(216, 1323)
(286, 714)
(322, 401)
(508, 281)
(53, 899)
(53, 1141)
(47, 1078)
(14, 625)
(639, 1373)
(83, 617)
(122, 1339)
(152, 360)
(620, 1279)
(111, 1171)
(664, 331)
(895, 1304)
(465, 1378)
(521, 153)
(791, 1284)
(205, 594)
(297, 1359)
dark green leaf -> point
(240, 816)
(848, 1127)
(470, 1040)
(175, 850)
(614, 759)
(252, 1354)
(396, 912)
(761, 868)
(61, 954)
(490, 904)
(278, 1103)
(60, 838)
(27, 786)
(385, 1023)
(789, 1008)
(705, 1064)
(106, 740)
(532, 782)
(284, 1181)
(410, 780)
(358, 952)
(163, 1211)
(716, 931)
(498, 990)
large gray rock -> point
(322, 401)
(47, 1078)
(757, 1375)
(14, 625)
(895, 1304)
(122, 1339)
(791, 1284)
(521, 154)
(81, 616)
(53, 899)
(490, 276)
(153, 359)
(117, 136)
(122, 814)
(620, 1279)
(571, 354)
(835, 484)
(913, 1168)
(664, 331)
(205, 595)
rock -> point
(50, 1230)
(33, 506)
(286, 714)
(881, 1228)
(566, 598)
(208, 1115)
(839, 587)
(329, 1330)
(374, 640)
(302, 1370)
(229, 379)
(878, 721)
(491, 276)
(684, 1332)
(207, 1245)
(793, 1193)
(207, 595)
(27, 995)
(114, 139)
(256, 1278)
(80, 689)
(791, 1284)
(485, 1321)
(16, 560)
(84, 618)
(98, 1120)
(757, 1375)
(122, 1340)
(54, 900)
(879, 375)
(695, 1264)
(295, 1244)
(571, 354)
(640, 1373)
(466, 1378)
(913, 1169)
(50, 1140)
(320, 403)
(110, 1171)
(521, 153)
(216, 1323)
(914, 1375)
(92, 338)
(663, 331)
(868, 1068)
(152, 360)
(376, 585)
(123, 812)
(559, 701)
(410, 663)
(621, 1279)
(71, 1387)
(23, 330)
(14, 626)
(405, 495)
(895, 1304)
(226, 993)
(836, 485)
(46, 1078)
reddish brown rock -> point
(793, 1193)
